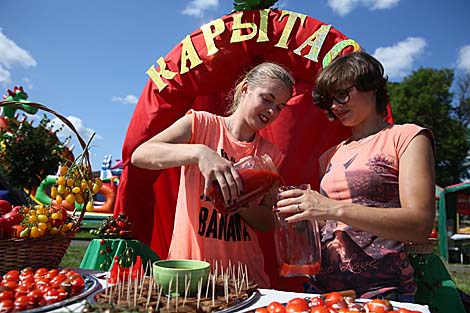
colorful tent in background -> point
(199, 73)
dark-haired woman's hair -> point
(360, 69)
(257, 76)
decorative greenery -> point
(29, 153)
(242, 5)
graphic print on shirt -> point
(375, 185)
(226, 227)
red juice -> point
(258, 175)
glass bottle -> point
(258, 175)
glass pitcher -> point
(297, 244)
(258, 175)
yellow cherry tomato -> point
(61, 180)
(79, 198)
(42, 218)
(53, 192)
(42, 226)
(61, 189)
(63, 170)
(89, 206)
(76, 189)
(58, 199)
(70, 199)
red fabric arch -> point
(302, 131)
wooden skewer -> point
(199, 290)
(213, 290)
(169, 295)
(150, 294)
(177, 292)
(158, 299)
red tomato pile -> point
(32, 222)
(333, 302)
(28, 289)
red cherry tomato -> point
(261, 310)
(333, 298)
(13, 275)
(35, 295)
(10, 284)
(21, 291)
(40, 272)
(77, 285)
(297, 305)
(276, 307)
(22, 303)
(6, 295)
(52, 273)
(378, 306)
(296, 308)
(316, 301)
(57, 280)
(6, 305)
(319, 309)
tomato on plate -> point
(261, 310)
(6, 305)
(319, 309)
(316, 301)
(297, 305)
(379, 306)
(333, 298)
(6, 294)
(276, 307)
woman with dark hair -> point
(377, 187)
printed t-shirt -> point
(365, 172)
(200, 232)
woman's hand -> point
(213, 167)
(301, 204)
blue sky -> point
(87, 59)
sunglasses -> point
(341, 96)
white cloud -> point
(463, 61)
(398, 59)
(84, 132)
(343, 7)
(197, 8)
(4, 75)
(129, 99)
(11, 55)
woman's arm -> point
(411, 222)
(259, 216)
(171, 148)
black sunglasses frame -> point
(326, 104)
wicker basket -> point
(426, 247)
(46, 251)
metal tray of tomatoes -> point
(91, 285)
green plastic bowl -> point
(165, 271)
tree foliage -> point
(425, 98)
(242, 5)
(29, 153)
